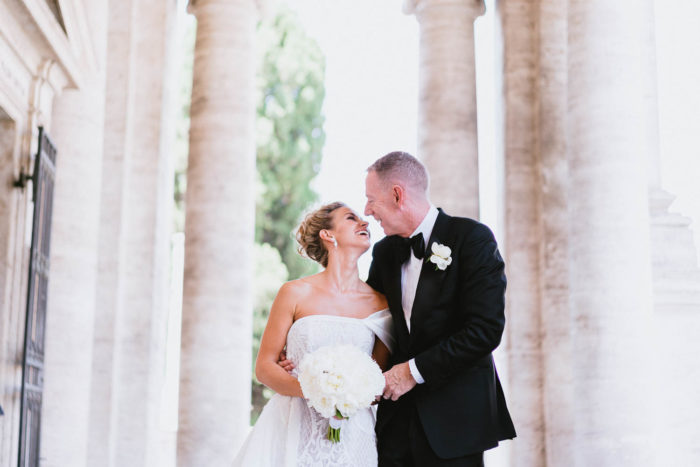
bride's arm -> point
(273, 341)
(381, 354)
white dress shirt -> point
(410, 273)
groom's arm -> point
(481, 301)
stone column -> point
(555, 311)
(77, 129)
(148, 204)
(447, 139)
(610, 266)
(129, 353)
(523, 228)
(110, 293)
(535, 36)
(15, 207)
(219, 227)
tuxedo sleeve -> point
(480, 306)
(374, 277)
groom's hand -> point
(286, 364)
(398, 381)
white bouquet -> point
(338, 381)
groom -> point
(443, 404)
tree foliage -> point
(270, 274)
(290, 133)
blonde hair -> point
(310, 243)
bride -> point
(329, 308)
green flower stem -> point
(334, 435)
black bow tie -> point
(416, 244)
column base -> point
(675, 270)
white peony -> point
(441, 256)
(340, 379)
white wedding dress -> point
(289, 432)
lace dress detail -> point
(289, 432)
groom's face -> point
(382, 205)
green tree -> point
(290, 133)
(270, 274)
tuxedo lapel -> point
(394, 296)
(430, 277)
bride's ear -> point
(325, 235)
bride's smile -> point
(347, 229)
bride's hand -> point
(287, 365)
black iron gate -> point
(33, 362)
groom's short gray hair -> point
(401, 167)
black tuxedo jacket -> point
(456, 322)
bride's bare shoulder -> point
(378, 299)
(298, 288)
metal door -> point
(33, 361)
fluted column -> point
(129, 352)
(610, 286)
(109, 298)
(535, 36)
(555, 311)
(523, 229)
(77, 129)
(147, 198)
(219, 227)
(447, 138)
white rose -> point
(325, 406)
(441, 256)
(441, 250)
(441, 263)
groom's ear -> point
(398, 194)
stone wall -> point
(30, 75)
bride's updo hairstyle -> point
(310, 243)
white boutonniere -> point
(441, 256)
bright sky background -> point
(678, 64)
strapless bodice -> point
(313, 331)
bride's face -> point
(349, 229)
